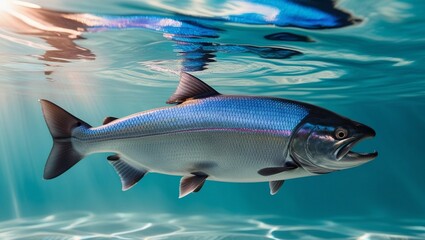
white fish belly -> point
(230, 156)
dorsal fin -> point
(129, 175)
(108, 120)
(191, 87)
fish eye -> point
(341, 133)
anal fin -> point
(129, 175)
(189, 184)
(275, 186)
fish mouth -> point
(345, 154)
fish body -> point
(210, 136)
(229, 138)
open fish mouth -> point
(344, 152)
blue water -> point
(362, 59)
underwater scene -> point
(212, 119)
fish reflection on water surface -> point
(196, 40)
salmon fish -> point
(209, 136)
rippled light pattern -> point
(86, 225)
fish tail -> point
(61, 124)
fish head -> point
(324, 140)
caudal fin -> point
(60, 123)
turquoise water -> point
(369, 69)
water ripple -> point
(235, 43)
(86, 225)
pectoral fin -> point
(275, 170)
(275, 186)
(129, 175)
(189, 184)
(115, 157)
